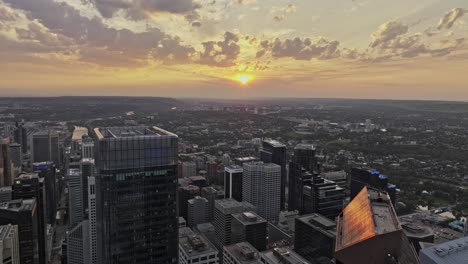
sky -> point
(382, 49)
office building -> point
(240, 253)
(75, 198)
(87, 149)
(361, 177)
(196, 249)
(280, 256)
(23, 213)
(274, 152)
(87, 168)
(212, 194)
(6, 166)
(261, 186)
(185, 193)
(233, 182)
(198, 211)
(301, 168)
(212, 171)
(16, 155)
(45, 147)
(240, 161)
(78, 244)
(20, 136)
(224, 209)
(250, 227)
(369, 231)
(46, 170)
(9, 244)
(315, 238)
(189, 169)
(137, 183)
(451, 252)
(323, 197)
(6, 194)
(94, 246)
(226, 160)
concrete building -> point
(9, 244)
(275, 152)
(224, 209)
(75, 196)
(250, 227)
(184, 194)
(280, 256)
(5, 194)
(339, 177)
(189, 169)
(78, 244)
(233, 182)
(212, 194)
(261, 186)
(45, 147)
(16, 155)
(451, 252)
(87, 149)
(94, 246)
(198, 211)
(6, 165)
(240, 253)
(196, 249)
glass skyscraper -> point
(137, 181)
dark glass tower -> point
(137, 183)
(303, 161)
(275, 152)
(361, 177)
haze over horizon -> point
(363, 49)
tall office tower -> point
(189, 169)
(87, 149)
(6, 194)
(16, 154)
(301, 167)
(77, 244)
(198, 211)
(21, 136)
(211, 194)
(45, 147)
(185, 193)
(47, 171)
(9, 130)
(368, 231)
(30, 186)
(195, 249)
(75, 196)
(23, 213)
(275, 152)
(323, 197)
(94, 247)
(280, 256)
(137, 182)
(226, 160)
(315, 238)
(361, 177)
(212, 171)
(240, 253)
(261, 186)
(9, 244)
(339, 177)
(87, 168)
(250, 227)
(6, 167)
(224, 209)
(233, 182)
(450, 252)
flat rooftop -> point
(136, 131)
(452, 252)
(305, 147)
(320, 223)
(79, 132)
(283, 255)
(194, 244)
(274, 143)
(249, 218)
(243, 252)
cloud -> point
(245, 2)
(7, 15)
(138, 9)
(91, 33)
(387, 32)
(300, 49)
(451, 17)
(280, 12)
(221, 53)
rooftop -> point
(243, 252)
(283, 255)
(274, 143)
(413, 230)
(19, 205)
(305, 147)
(194, 244)
(320, 223)
(137, 131)
(452, 252)
(249, 218)
(79, 132)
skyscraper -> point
(361, 177)
(261, 186)
(322, 196)
(6, 168)
(47, 171)
(211, 194)
(20, 136)
(9, 244)
(87, 168)
(301, 168)
(45, 147)
(195, 248)
(198, 211)
(233, 182)
(94, 246)
(224, 209)
(137, 182)
(250, 227)
(185, 193)
(77, 244)
(274, 152)
(75, 196)
(16, 154)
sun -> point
(244, 79)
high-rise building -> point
(301, 168)
(16, 154)
(315, 238)
(275, 152)
(21, 136)
(77, 244)
(75, 196)
(224, 209)
(250, 227)
(361, 177)
(323, 197)
(196, 249)
(46, 170)
(6, 194)
(233, 182)
(45, 147)
(261, 186)
(87, 149)
(137, 183)
(198, 211)
(226, 160)
(185, 193)
(87, 168)
(23, 213)
(240, 253)
(212, 171)
(6, 166)
(94, 246)
(189, 169)
(9, 244)
(212, 194)
(339, 177)
(280, 256)
(31, 186)
(369, 231)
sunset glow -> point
(244, 79)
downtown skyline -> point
(196, 48)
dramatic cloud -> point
(387, 33)
(221, 53)
(451, 17)
(138, 9)
(7, 16)
(300, 49)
